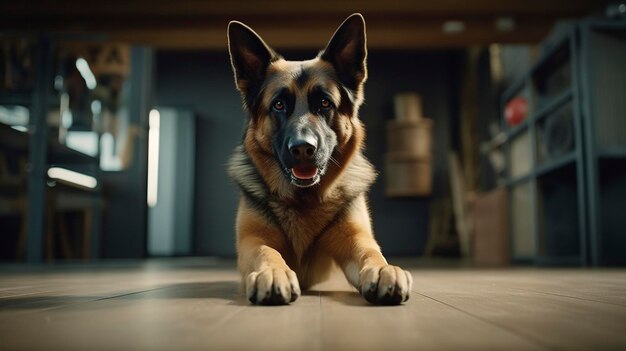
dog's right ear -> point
(249, 55)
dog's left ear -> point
(347, 51)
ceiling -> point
(392, 24)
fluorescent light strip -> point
(83, 67)
(22, 129)
(72, 177)
(453, 27)
(153, 157)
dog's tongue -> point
(304, 172)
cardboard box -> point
(410, 137)
(407, 175)
(491, 235)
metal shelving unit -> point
(44, 150)
(572, 194)
(603, 73)
(535, 190)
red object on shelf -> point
(516, 110)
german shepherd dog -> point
(302, 174)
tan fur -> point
(304, 233)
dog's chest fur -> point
(304, 215)
(303, 222)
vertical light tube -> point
(153, 157)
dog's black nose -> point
(302, 151)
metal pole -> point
(38, 148)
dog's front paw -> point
(387, 285)
(272, 286)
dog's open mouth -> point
(305, 175)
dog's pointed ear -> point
(347, 51)
(249, 55)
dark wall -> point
(401, 225)
(203, 80)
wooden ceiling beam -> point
(398, 36)
(194, 24)
(401, 35)
(284, 7)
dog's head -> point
(302, 113)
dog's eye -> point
(278, 105)
(325, 103)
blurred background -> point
(498, 126)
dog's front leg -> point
(357, 253)
(267, 278)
